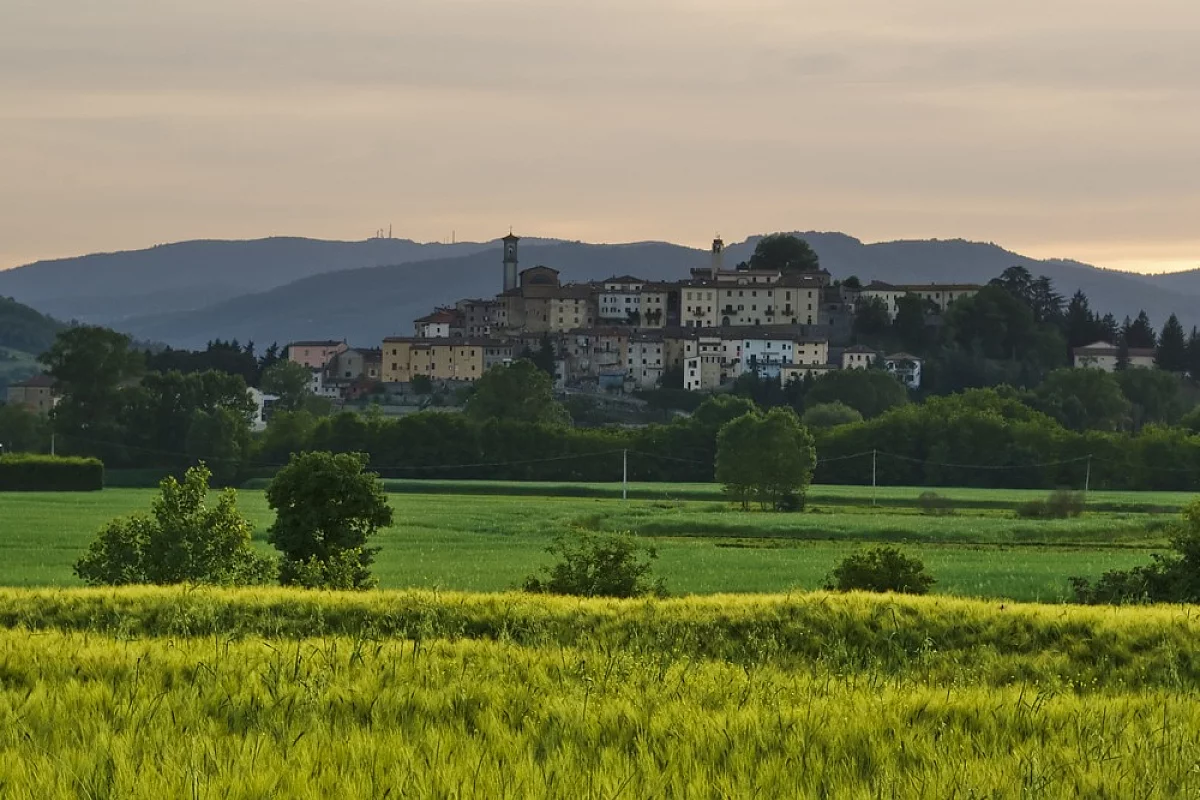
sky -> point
(1057, 128)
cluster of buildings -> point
(628, 333)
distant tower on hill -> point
(718, 255)
(510, 261)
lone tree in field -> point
(766, 458)
(182, 541)
(326, 508)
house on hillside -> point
(36, 394)
(316, 354)
(859, 357)
(1105, 355)
(905, 367)
(443, 323)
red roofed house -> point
(441, 324)
(36, 394)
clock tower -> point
(510, 261)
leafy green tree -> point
(91, 366)
(871, 318)
(1156, 397)
(765, 458)
(830, 415)
(219, 437)
(598, 565)
(327, 507)
(160, 411)
(23, 431)
(421, 385)
(1172, 351)
(519, 392)
(1084, 399)
(784, 252)
(909, 325)
(182, 541)
(291, 383)
(868, 391)
(852, 282)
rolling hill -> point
(284, 289)
(108, 287)
(24, 333)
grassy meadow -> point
(490, 542)
(152, 693)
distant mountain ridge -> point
(282, 289)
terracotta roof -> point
(326, 343)
(442, 315)
(860, 348)
(625, 279)
(1106, 349)
(36, 382)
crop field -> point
(482, 542)
(153, 693)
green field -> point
(184, 693)
(888, 496)
(482, 542)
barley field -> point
(492, 542)
(168, 693)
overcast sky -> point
(1065, 128)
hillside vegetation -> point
(210, 693)
(24, 329)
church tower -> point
(718, 255)
(510, 261)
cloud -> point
(1032, 123)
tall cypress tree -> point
(1172, 351)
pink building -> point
(314, 355)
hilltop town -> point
(626, 333)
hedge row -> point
(33, 473)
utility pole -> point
(874, 486)
(625, 476)
(52, 442)
(1087, 478)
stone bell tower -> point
(718, 255)
(510, 261)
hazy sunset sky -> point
(1065, 128)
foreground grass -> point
(490, 543)
(152, 693)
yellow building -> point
(439, 359)
(940, 295)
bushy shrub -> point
(934, 505)
(1061, 504)
(32, 473)
(790, 501)
(880, 569)
(1168, 578)
(598, 565)
(182, 541)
